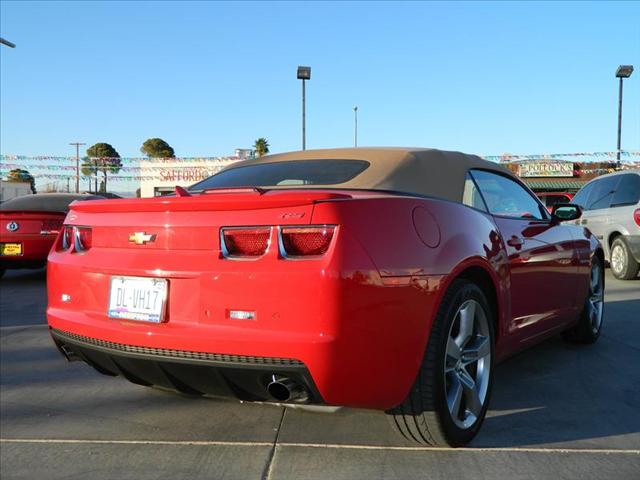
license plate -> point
(138, 298)
(10, 249)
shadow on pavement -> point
(23, 276)
(43, 396)
(553, 394)
(21, 297)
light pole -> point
(355, 128)
(623, 71)
(77, 144)
(7, 43)
(304, 74)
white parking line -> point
(322, 445)
(137, 442)
(464, 449)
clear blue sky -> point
(210, 76)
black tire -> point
(2, 270)
(586, 331)
(627, 268)
(424, 416)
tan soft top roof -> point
(419, 171)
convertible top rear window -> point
(289, 173)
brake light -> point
(66, 238)
(83, 239)
(305, 241)
(636, 217)
(244, 242)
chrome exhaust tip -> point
(284, 389)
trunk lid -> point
(192, 222)
(29, 223)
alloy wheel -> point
(467, 364)
(595, 303)
(618, 258)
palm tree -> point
(261, 146)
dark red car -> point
(29, 225)
(390, 279)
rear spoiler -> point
(183, 192)
(218, 199)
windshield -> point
(291, 173)
(597, 193)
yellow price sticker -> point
(10, 249)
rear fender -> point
(385, 228)
(498, 283)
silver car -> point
(611, 206)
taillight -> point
(66, 238)
(244, 242)
(78, 237)
(305, 241)
(636, 216)
(82, 239)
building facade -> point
(10, 190)
(547, 175)
(160, 176)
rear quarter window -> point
(471, 195)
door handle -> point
(584, 221)
(515, 242)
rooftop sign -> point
(545, 169)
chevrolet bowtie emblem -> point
(141, 238)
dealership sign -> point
(161, 176)
(192, 174)
(546, 169)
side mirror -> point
(563, 212)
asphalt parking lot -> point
(558, 411)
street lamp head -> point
(624, 71)
(304, 73)
(7, 43)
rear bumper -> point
(359, 338)
(35, 248)
(194, 373)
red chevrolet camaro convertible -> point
(389, 279)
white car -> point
(611, 205)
